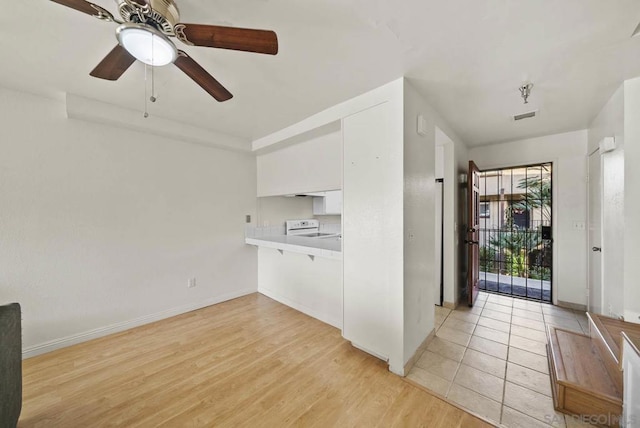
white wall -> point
(619, 118)
(373, 230)
(102, 227)
(450, 253)
(632, 200)
(311, 165)
(439, 226)
(274, 210)
(439, 158)
(329, 219)
(610, 123)
(419, 222)
(568, 152)
(455, 160)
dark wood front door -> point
(473, 232)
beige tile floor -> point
(492, 359)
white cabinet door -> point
(328, 204)
(333, 202)
(318, 205)
(309, 166)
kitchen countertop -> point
(330, 247)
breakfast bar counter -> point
(328, 247)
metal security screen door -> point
(515, 231)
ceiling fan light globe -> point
(146, 44)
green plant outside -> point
(513, 245)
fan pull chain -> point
(146, 106)
(153, 97)
(153, 81)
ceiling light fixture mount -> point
(164, 14)
(525, 91)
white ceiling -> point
(468, 57)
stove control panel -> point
(301, 226)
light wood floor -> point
(247, 362)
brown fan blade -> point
(239, 39)
(202, 77)
(81, 5)
(114, 64)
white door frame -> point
(591, 243)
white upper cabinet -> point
(312, 165)
(328, 204)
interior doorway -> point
(439, 241)
(515, 231)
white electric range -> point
(306, 228)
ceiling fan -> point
(144, 34)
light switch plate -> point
(421, 125)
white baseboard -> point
(379, 356)
(63, 342)
(418, 353)
(632, 316)
(570, 305)
(302, 308)
(449, 305)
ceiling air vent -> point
(525, 115)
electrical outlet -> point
(191, 283)
(247, 218)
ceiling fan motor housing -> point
(143, 34)
(164, 14)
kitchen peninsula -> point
(303, 272)
(329, 247)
